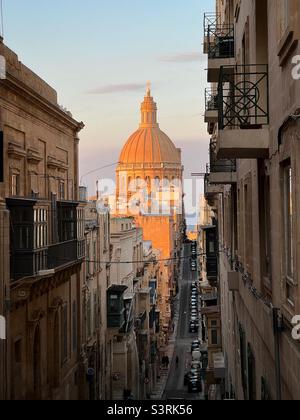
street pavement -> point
(175, 388)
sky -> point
(99, 55)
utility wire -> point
(97, 170)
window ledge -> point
(288, 311)
(286, 46)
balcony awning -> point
(116, 288)
(209, 297)
(207, 227)
(210, 310)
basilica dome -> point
(149, 145)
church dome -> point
(149, 145)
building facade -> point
(96, 279)
(42, 241)
(253, 116)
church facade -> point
(149, 188)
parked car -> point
(196, 356)
(191, 375)
(194, 328)
(195, 373)
(196, 366)
(195, 345)
(193, 266)
(194, 386)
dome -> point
(149, 145)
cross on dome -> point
(148, 88)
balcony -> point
(243, 112)
(211, 115)
(210, 190)
(115, 307)
(220, 171)
(218, 44)
(31, 253)
(62, 254)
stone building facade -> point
(96, 273)
(253, 116)
(41, 241)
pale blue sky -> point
(115, 46)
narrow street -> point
(175, 388)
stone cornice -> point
(30, 95)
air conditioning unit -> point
(233, 281)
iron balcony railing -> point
(228, 166)
(243, 96)
(219, 165)
(211, 100)
(207, 194)
(218, 37)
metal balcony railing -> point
(207, 194)
(211, 100)
(228, 166)
(219, 165)
(243, 96)
(218, 36)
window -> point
(67, 223)
(40, 228)
(214, 337)
(62, 190)
(80, 223)
(15, 185)
(114, 304)
(288, 213)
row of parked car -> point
(194, 309)
(193, 379)
(193, 261)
